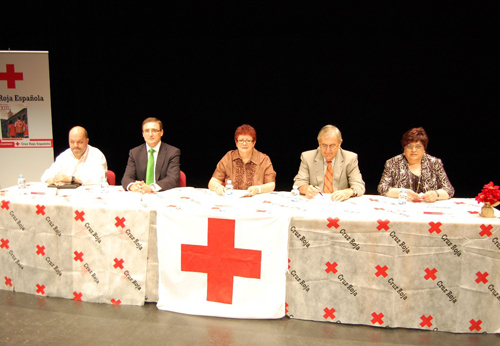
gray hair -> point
(329, 131)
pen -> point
(317, 188)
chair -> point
(111, 176)
(182, 180)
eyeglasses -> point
(416, 147)
(326, 146)
(245, 141)
(151, 131)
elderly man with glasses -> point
(153, 166)
(329, 169)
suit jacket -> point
(346, 172)
(167, 170)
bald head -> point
(78, 141)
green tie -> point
(150, 172)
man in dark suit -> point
(154, 166)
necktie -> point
(328, 188)
(150, 172)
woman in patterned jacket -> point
(421, 174)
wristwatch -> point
(355, 193)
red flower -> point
(490, 194)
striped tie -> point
(150, 172)
(328, 188)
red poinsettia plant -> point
(489, 195)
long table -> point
(363, 261)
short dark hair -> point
(153, 120)
(416, 134)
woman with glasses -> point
(246, 167)
(421, 174)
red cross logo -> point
(40, 289)
(79, 215)
(40, 209)
(118, 263)
(426, 321)
(486, 230)
(331, 267)
(475, 325)
(5, 243)
(435, 227)
(473, 212)
(383, 225)
(377, 318)
(381, 271)
(77, 296)
(40, 250)
(333, 222)
(431, 274)
(120, 222)
(373, 199)
(78, 256)
(286, 307)
(221, 260)
(116, 302)
(8, 281)
(5, 204)
(482, 277)
(329, 313)
(10, 76)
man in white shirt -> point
(81, 163)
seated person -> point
(421, 174)
(153, 166)
(81, 163)
(246, 167)
(329, 168)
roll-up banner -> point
(26, 145)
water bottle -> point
(229, 187)
(402, 199)
(104, 185)
(21, 185)
(295, 193)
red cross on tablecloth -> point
(8, 281)
(381, 271)
(486, 230)
(11, 76)
(77, 296)
(116, 302)
(5, 243)
(435, 227)
(482, 277)
(40, 209)
(333, 222)
(78, 256)
(118, 263)
(431, 274)
(40, 250)
(79, 215)
(475, 325)
(426, 321)
(221, 260)
(377, 318)
(331, 267)
(383, 225)
(329, 313)
(5, 204)
(120, 222)
(40, 289)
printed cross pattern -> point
(329, 313)
(79, 215)
(333, 222)
(481, 277)
(120, 222)
(4, 243)
(377, 318)
(383, 225)
(475, 325)
(11, 76)
(40, 209)
(426, 321)
(435, 227)
(431, 274)
(5, 205)
(331, 267)
(221, 260)
(486, 230)
(381, 271)
(40, 250)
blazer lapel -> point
(338, 167)
(160, 159)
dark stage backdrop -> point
(204, 72)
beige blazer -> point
(346, 172)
